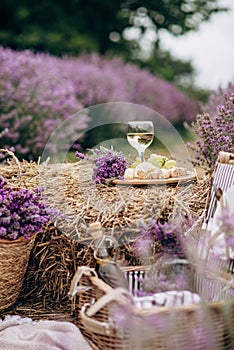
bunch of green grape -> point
(158, 160)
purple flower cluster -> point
(217, 98)
(99, 80)
(108, 164)
(22, 212)
(155, 284)
(36, 95)
(168, 235)
(215, 130)
(38, 92)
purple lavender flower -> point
(214, 128)
(227, 226)
(168, 235)
(38, 92)
(108, 164)
(79, 155)
(22, 212)
(143, 247)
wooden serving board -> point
(191, 175)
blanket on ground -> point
(18, 333)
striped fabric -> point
(134, 279)
(209, 289)
(223, 179)
(230, 266)
(227, 265)
(215, 288)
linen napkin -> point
(18, 333)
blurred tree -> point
(98, 24)
(179, 72)
(164, 65)
(130, 28)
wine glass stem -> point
(141, 155)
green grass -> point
(173, 142)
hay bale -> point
(66, 244)
(68, 187)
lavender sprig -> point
(214, 130)
(108, 164)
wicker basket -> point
(14, 256)
(208, 325)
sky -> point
(211, 49)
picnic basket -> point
(208, 325)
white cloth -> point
(24, 334)
(167, 299)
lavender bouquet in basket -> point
(22, 212)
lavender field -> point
(39, 91)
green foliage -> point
(78, 25)
(41, 40)
(199, 94)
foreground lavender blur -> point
(39, 91)
(201, 328)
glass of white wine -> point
(140, 135)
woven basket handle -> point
(120, 295)
(117, 294)
(74, 288)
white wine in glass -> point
(140, 135)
